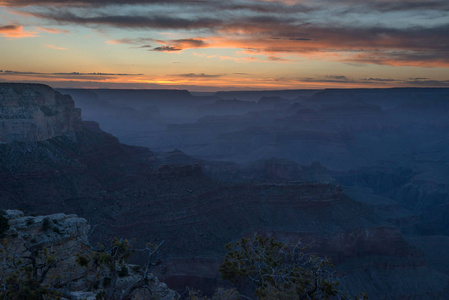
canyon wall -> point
(35, 112)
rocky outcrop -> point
(58, 228)
(35, 112)
(61, 237)
(48, 243)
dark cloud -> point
(375, 45)
(146, 46)
(267, 7)
(135, 41)
(130, 21)
(9, 72)
(66, 75)
(201, 75)
(248, 6)
(166, 49)
(22, 3)
(191, 43)
(269, 27)
(9, 28)
(95, 73)
(330, 79)
(337, 77)
(275, 58)
(429, 83)
(291, 39)
(405, 57)
(299, 39)
(392, 6)
(167, 46)
(379, 79)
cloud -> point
(337, 77)
(55, 47)
(53, 30)
(246, 59)
(402, 58)
(147, 46)
(22, 3)
(129, 21)
(93, 75)
(209, 82)
(190, 43)
(366, 82)
(96, 73)
(276, 58)
(9, 72)
(313, 30)
(180, 44)
(394, 6)
(15, 31)
(379, 79)
(330, 79)
(166, 49)
(167, 46)
(271, 35)
(135, 41)
(255, 6)
(342, 79)
(429, 83)
(201, 75)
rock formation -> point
(35, 112)
(63, 236)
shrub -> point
(279, 270)
(106, 282)
(4, 226)
(46, 223)
(57, 230)
(123, 272)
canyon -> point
(320, 166)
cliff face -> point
(64, 237)
(35, 112)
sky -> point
(210, 45)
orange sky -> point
(224, 45)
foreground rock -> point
(51, 244)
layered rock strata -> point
(35, 112)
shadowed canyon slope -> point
(197, 206)
(354, 132)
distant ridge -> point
(256, 95)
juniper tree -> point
(279, 270)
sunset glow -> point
(224, 45)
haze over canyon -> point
(360, 175)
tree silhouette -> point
(279, 270)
